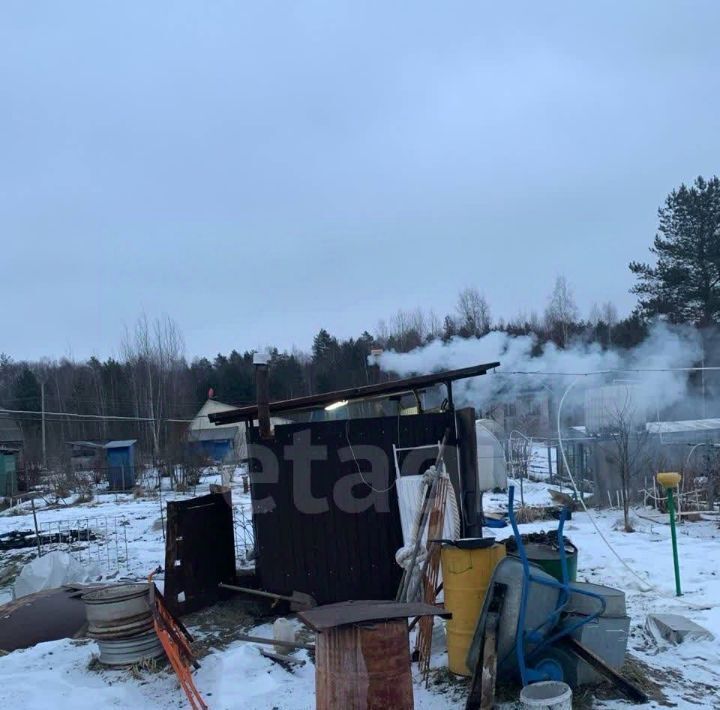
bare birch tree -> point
(561, 311)
(629, 439)
(155, 353)
(473, 311)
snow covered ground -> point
(61, 673)
(129, 536)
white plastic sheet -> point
(409, 489)
(53, 570)
(492, 470)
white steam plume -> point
(664, 349)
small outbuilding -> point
(8, 471)
(218, 444)
(224, 443)
(11, 435)
(121, 464)
(86, 455)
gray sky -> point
(260, 170)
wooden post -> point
(550, 471)
(37, 532)
(262, 393)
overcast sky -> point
(259, 170)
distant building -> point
(217, 443)
(11, 449)
(87, 455)
(687, 446)
(115, 458)
(121, 464)
(529, 412)
(8, 471)
(11, 435)
(221, 443)
(686, 431)
(608, 405)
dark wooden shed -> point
(310, 535)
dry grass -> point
(532, 513)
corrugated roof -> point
(682, 426)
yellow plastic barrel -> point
(466, 577)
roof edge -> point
(384, 389)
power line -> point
(604, 372)
(74, 415)
(95, 400)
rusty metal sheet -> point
(47, 615)
(326, 617)
(199, 552)
(364, 667)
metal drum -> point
(466, 575)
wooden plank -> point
(432, 571)
(287, 661)
(276, 642)
(482, 687)
(628, 689)
(353, 612)
(489, 669)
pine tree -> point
(26, 392)
(684, 284)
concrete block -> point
(675, 628)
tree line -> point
(155, 388)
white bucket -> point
(547, 694)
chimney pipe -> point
(262, 392)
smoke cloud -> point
(555, 368)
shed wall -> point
(338, 554)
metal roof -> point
(120, 444)
(86, 444)
(215, 434)
(9, 429)
(685, 425)
(383, 389)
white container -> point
(283, 630)
(547, 694)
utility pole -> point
(702, 379)
(42, 407)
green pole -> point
(671, 509)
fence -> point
(99, 540)
(244, 537)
